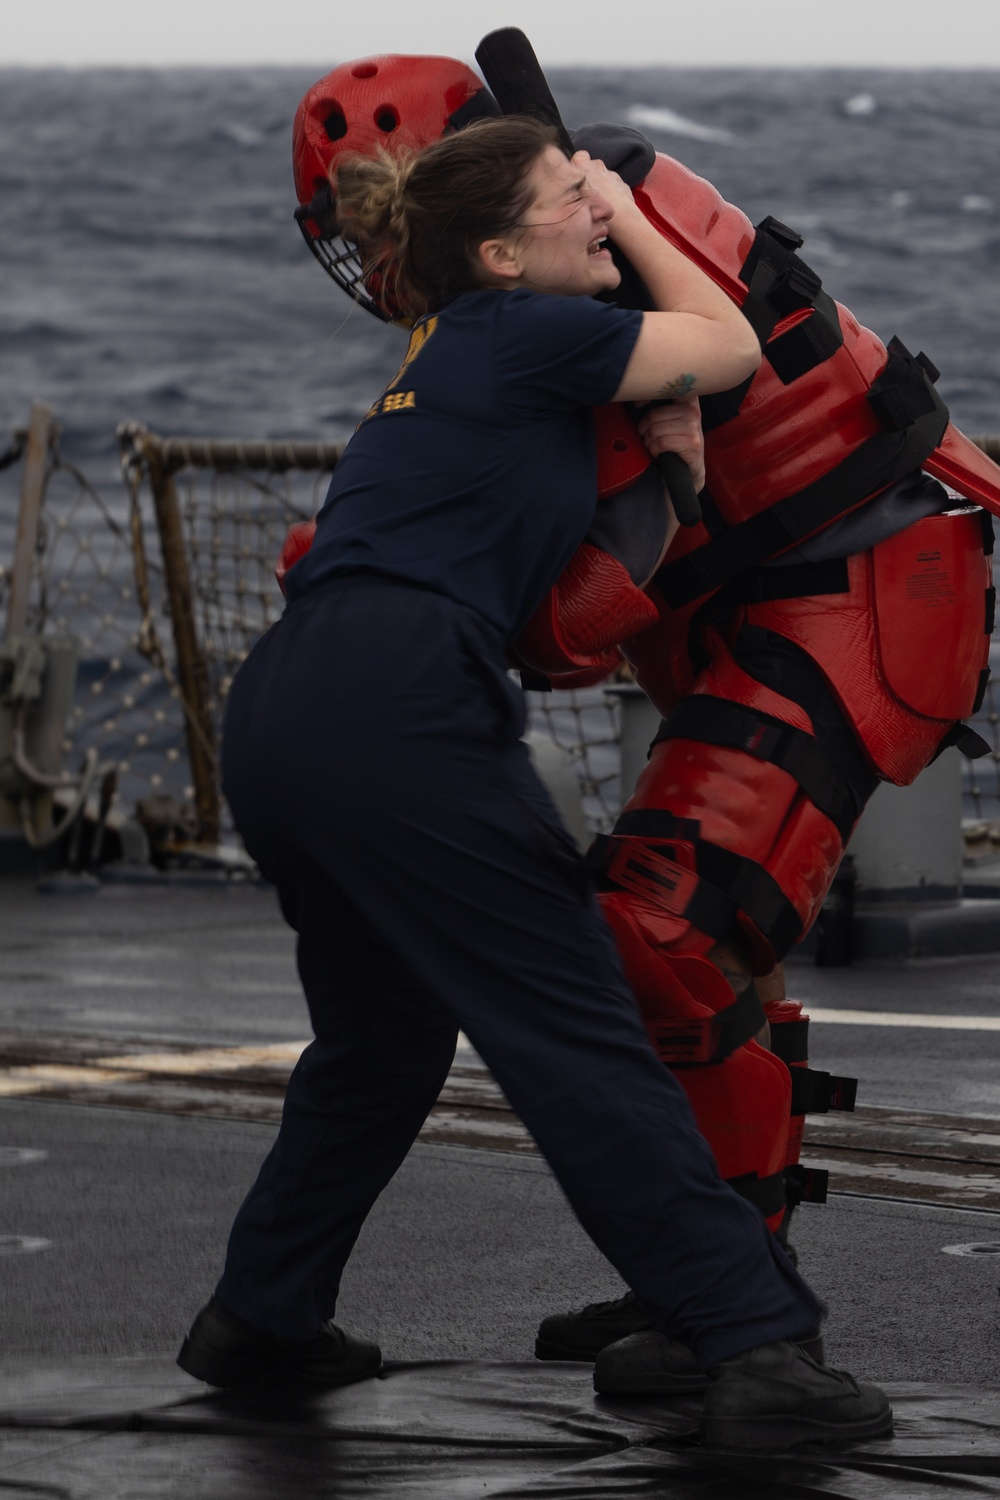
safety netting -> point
(167, 583)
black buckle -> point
(698, 1042)
(806, 1184)
(790, 1041)
(789, 238)
(904, 391)
(769, 1194)
(816, 1093)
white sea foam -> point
(976, 203)
(667, 120)
(860, 105)
(243, 135)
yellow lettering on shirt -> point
(391, 399)
(399, 400)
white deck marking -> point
(900, 1018)
(133, 1067)
(30, 1080)
(208, 1059)
(972, 1184)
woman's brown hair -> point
(419, 220)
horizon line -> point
(643, 66)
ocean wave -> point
(34, 332)
(153, 268)
(242, 135)
(976, 203)
(860, 106)
(671, 123)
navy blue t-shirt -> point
(474, 472)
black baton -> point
(519, 86)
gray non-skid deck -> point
(464, 1253)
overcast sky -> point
(319, 33)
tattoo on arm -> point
(674, 390)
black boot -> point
(653, 1364)
(223, 1350)
(775, 1396)
(584, 1333)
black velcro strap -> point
(810, 343)
(657, 823)
(778, 283)
(769, 1194)
(790, 1040)
(753, 891)
(966, 740)
(880, 461)
(816, 1093)
(725, 885)
(991, 609)
(650, 871)
(789, 581)
(989, 536)
(984, 678)
(904, 392)
(700, 1041)
(806, 1184)
(715, 721)
(722, 406)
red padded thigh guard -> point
(903, 652)
(726, 841)
(905, 649)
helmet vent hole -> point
(364, 70)
(335, 125)
(387, 119)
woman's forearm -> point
(675, 283)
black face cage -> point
(338, 257)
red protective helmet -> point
(394, 102)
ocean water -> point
(152, 269)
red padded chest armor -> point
(786, 436)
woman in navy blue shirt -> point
(374, 764)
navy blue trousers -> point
(373, 763)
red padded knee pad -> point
(740, 1094)
(742, 1108)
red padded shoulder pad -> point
(621, 454)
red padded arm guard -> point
(595, 604)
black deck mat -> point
(137, 1429)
